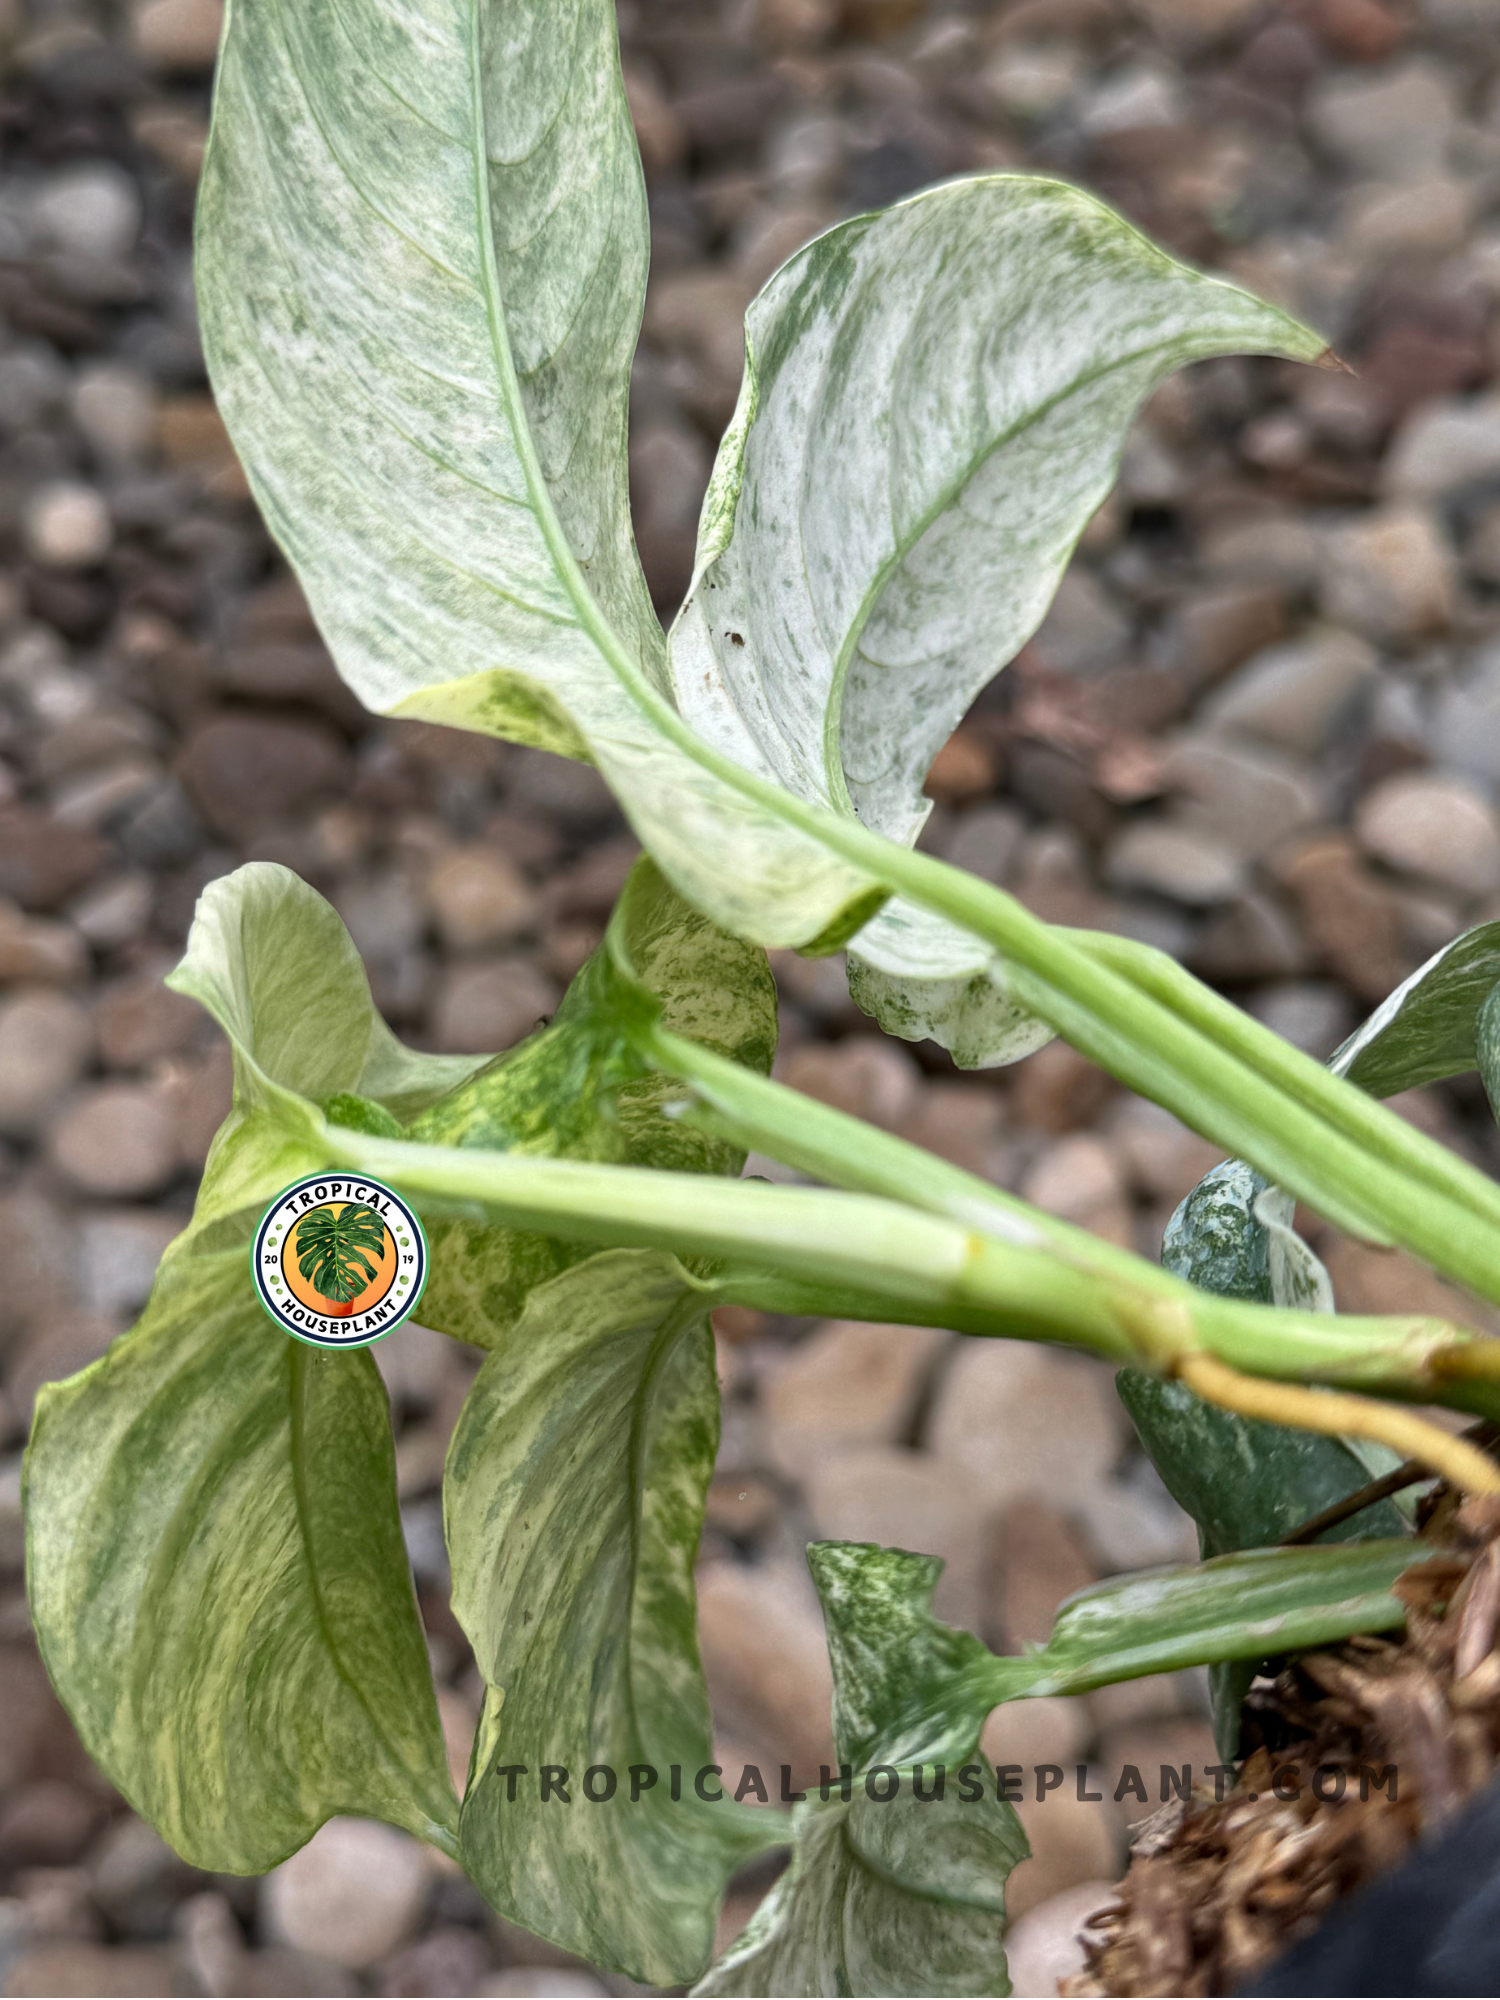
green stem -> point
(792, 1248)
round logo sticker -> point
(339, 1260)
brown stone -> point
(965, 768)
(49, 1822)
(1072, 1841)
(137, 1020)
(1037, 1559)
(766, 1662)
(248, 774)
(850, 1383)
(67, 1966)
(1058, 1090)
(1350, 917)
(43, 862)
(1367, 1279)
(865, 1075)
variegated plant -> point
(422, 250)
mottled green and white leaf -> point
(218, 1581)
(935, 403)
(574, 1501)
(891, 1895)
(422, 253)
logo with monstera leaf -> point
(339, 1260)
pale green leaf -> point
(421, 257)
(422, 251)
(218, 1581)
(574, 1502)
(935, 403)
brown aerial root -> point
(1218, 1889)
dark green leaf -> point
(574, 1501)
(1428, 1028)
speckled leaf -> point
(422, 250)
(421, 258)
(217, 1575)
(1246, 1483)
(901, 1895)
(1428, 1028)
(575, 1091)
(935, 402)
(218, 1581)
(574, 1501)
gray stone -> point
(1251, 937)
(1241, 793)
(1164, 1158)
(352, 1894)
(74, 1965)
(987, 840)
(119, 1250)
(66, 525)
(1167, 858)
(849, 1383)
(488, 1004)
(1084, 632)
(114, 911)
(1463, 730)
(906, 1499)
(1311, 1014)
(1026, 1421)
(1443, 448)
(1137, 99)
(138, 1020)
(1073, 1842)
(115, 408)
(1438, 828)
(1295, 695)
(90, 210)
(383, 914)
(1388, 575)
(61, 1342)
(1427, 219)
(1397, 126)
(115, 1140)
(1050, 1729)
(1275, 549)
(539, 1982)
(45, 1042)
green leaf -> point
(935, 403)
(218, 1582)
(576, 1090)
(574, 1502)
(900, 1895)
(217, 1576)
(1245, 1483)
(1428, 1028)
(1233, 1607)
(273, 964)
(422, 249)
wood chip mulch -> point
(1217, 1889)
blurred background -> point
(1261, 728)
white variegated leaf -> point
(422, 249)
(935, 403)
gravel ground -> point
(1261, 727)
